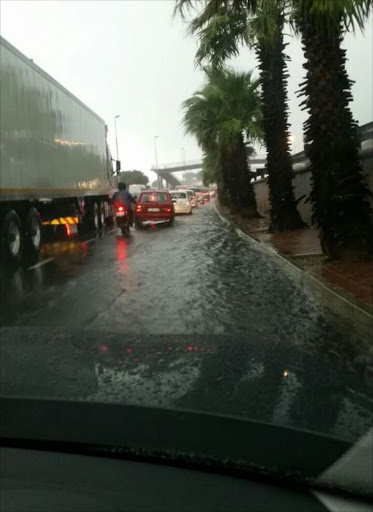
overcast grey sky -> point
(131, 58)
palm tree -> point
(221, 27)
(201, 114)
(200, 118)
(339, 194)
(221, 116)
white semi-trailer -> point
(55, 167)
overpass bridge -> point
(166, 172)
(257, 163)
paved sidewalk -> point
(354, 278)
(303, 247)
(299, 243)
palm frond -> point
(227, 106)
(220, 38)
(329, 14)
(184, 7)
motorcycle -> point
(124, 218)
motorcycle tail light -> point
(120, 207)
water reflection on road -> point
(234, 376)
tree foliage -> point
(133, 177)
(221, 27)
(221, 116)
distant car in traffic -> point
(153, 206)
(192, 198)
(199, 194)
(181, 201)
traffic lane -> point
(69, 283)
(201, 277)
(27, 290)
(232, 375)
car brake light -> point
(120, 208)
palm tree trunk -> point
(339, 193)
(228, 193)
(284, 213)
(246, 193)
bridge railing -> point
(258, 159)
(177, 164)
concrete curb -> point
(346, 312)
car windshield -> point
(178, 195)
(252, 300)
(154, 197)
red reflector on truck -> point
(62, 220)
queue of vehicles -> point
(56, 170)
(156, 206)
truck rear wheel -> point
(33, 235)
(102, 215)
(91, 218)
(12, 239)
(95, 216)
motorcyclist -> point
(123, 196)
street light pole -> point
(183, 160)
(156, 159)
(116, 136)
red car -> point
(154, 206)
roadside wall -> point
(302, 183)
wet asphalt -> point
(188, 316)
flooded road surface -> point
(187, 316)
(198, 276)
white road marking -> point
(89, 241)
(37, 265)
(111, 231)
